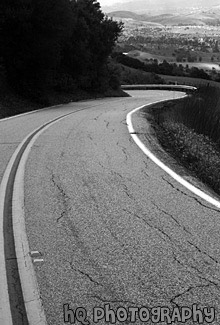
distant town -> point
(189, 38)
(191, 45)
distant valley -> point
(188, 36)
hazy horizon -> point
(110, 2)
(156, 3)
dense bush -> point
(164, 68)
(195, 151)
(201, 112)
(190, 131)
(130, 76)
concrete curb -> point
(30, 290)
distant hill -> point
(128, 14)
(200, 18)
(135, 17)
(155, 7)
(144, 56)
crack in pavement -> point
(189, 242)
(126, 191)
(129, 179)
(203, 252)
(124, 150)
(172, 217)
(146, 164)
(187, 290)
(101, 165)
(145, 173)
(151, 226)
(98, 116)
(116, 173)
(169, 237)
(123, 122)
(125, 187)
(200, 275)
(107, 123)
(131, 140)
(114, 301)
(143, 170)
(92, 139)
(64, 197)
(190, 196)
(85, 274)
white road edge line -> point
(169, 171)
(31, 294)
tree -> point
(16, 35)
(216, 49)
(93, 38)
(166, 68)
(198, 73)
(47, 44)
(33, 32)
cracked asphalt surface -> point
(111, 225)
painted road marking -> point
(169, 171)
(30, 291)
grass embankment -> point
(189, 129)
(131, 76)
(12, 103)
(197, 82)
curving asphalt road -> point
(113, 228)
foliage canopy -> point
(56, 44)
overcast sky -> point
(109, 2)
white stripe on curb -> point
(169, 171)
(30, 290)
(5, 311)
(31, 294)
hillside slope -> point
(160, 6)
(199, 18)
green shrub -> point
(189, 130)
(195, 151)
